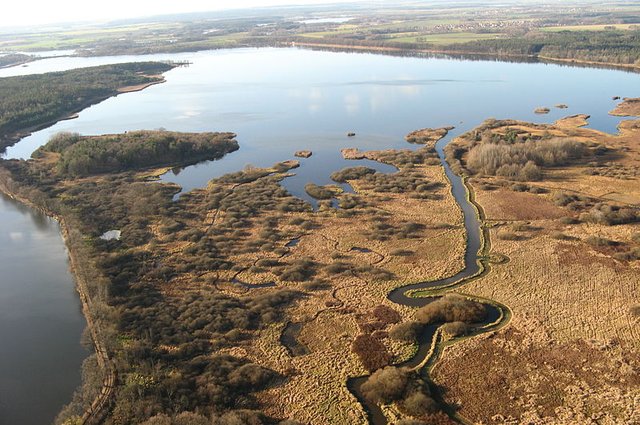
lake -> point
(40, 318)
(277, 101)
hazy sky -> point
(30, 12)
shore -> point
(464, 53)
(11, 139)
(96, 411)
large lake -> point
(277, 101)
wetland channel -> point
(475, 264)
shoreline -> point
(95, 412)
(541, 59)
(13, 138)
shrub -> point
(569, 220)
(611, 215)
(316, 285)
(241, 417)
(560, 236)
(522, 160)
(386, 314)
(455, 329)
(598, 241)
(386, 385)
(451, 308)
(351, 173)
(299, 270)
(509, 236)
(401, 253)
(372, 353)
(318, 192)
(407, 331)
(419, 404)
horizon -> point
(35, 13)
(29, 14)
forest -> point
(32, 101)
(82, 156)
(610, 46)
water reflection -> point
(40, 318)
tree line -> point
(31, 101)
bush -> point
(408, 331)
(509, 236)
(372, 353)
(521, 160)
(452, 308)
(455, 329)
(560, 236)
(299, 271)
(386, 385)
(597, 241)
(386, 314)
(351, 173)
(401, 253)
(319, 192)
(419, 404)
(611, 215)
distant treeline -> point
(607, 47)
(82, 156)
(27, 102)
(14, 59)
(616, 47)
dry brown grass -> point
(505, 204)
(572, 351)
(630, 107)
(316, 393)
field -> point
(587, 32)
(572, 351)
(594, 27)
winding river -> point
(278, 101)
(476, 264)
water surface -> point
(40, 318)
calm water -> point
(40, 318)
(279, 101)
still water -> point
(40, 318)
(279, 101)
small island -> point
(303, 154)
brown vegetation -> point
(572, 262)
(629, 107)
(303, 154)
(206, 277)
(427, 136)
(451, 308)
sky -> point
(39, 12)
